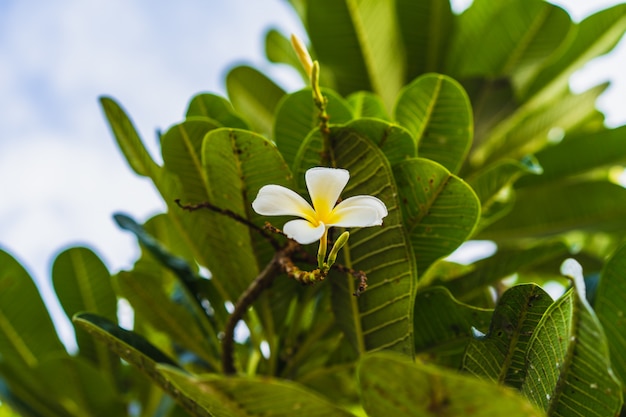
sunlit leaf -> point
(520, 34)
(437, 112)
(359, 42)
(426, 28)
(278, 49)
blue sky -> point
(61, 175)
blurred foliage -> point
(465, 126)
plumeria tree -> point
(302, 265)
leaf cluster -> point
(464, 125)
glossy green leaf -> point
(553, 209)
(215, 108)
(128, 139)
(220, 396)
(394, 141)
(359, 43)
(610, 306)
(439, 209)
(426, 28)
(444, 339)
(27, 334)
(83, 283)
(528, 132)
(381, 317)
(278, 49)
(393, 386)
(596, 35)
(499, 39)
(297, 116)
(254, 96)
(569, 372)
(590, 150)
(494, 187)
(504, 263)
(366, 104)
(500, 355)
(437, 112)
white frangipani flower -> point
(325, 186)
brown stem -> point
(261, 282)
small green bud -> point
(339, 243)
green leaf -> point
(426, 28)
(381, 317)
(394, 141)
(437, 112)
(528, 132)
(610, 306)
(26, 393)
(504, 263)
(137, 351)
(500, 355)
(366, 104)
(494, 187)
(297, 116)
(83, 283)
(215, 108)
(219, 396)
(500, 39)
(590, 150)
(359, 43)
(237, 164)
(153, 305)
(595, 36)
(85, 391)
(444, 339)
(569, 372)
(279, 50)
(439, 209)
(254, 96)
(552, 209)
(393, 386)
(128, 139)
(27, 334)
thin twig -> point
(261, 282)
(229, 213)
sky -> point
(61, 174)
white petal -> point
(358, 211)
(276, 200)
(325, 186)
(303, 231)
